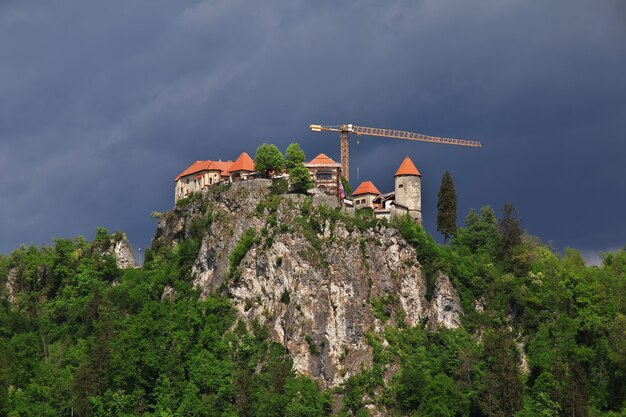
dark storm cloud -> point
(101, 104)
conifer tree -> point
(446, 207)
(510, 230)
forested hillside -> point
(542, 334)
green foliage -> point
(480, 234)
(502, 393)
(429, 254)
(300, 178)
(510, 231)
(269, 160)
(188, 200)
(82, 337)
(312, 345)
(383, 306)
(97, 349)
(441, 397)
(240, 250)
(305, 399)
(446, 207)
(279, 186)
(294, 156)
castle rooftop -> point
(243, 163)
(322, 159)
(366, 187)
(407, 168)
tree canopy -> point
(299, 176)
(542, 333)
(269, 160)
(294, 156)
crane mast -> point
(346, 129)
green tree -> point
(480, 234)
(306, 399)
(446, 207)
(510, 231)
(300, 178)
(269, 160)
(410, 387)
(442, 398)
(294, 156)
(502, 393)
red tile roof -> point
(193, 168)
(322, 159)
(209, 165)
(366, 187)
(223, 166)
(407, 168)
(243, 163)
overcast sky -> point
(103, 103)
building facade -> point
(365, 195)
(325, 173)
(202, 174)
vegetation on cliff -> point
(542, 333)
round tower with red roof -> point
(409, 189)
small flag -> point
(342, 193)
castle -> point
(326, 175)
(405, 199)
(202, 174)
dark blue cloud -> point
(101, 105)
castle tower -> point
(409, 188)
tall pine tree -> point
(510, 230)
(446, 207)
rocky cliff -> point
(120, 249)
(319, 278)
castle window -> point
(324, 175)
(401, 186)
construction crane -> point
(345, 130)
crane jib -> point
(346, 129)
(409, 135)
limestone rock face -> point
(445, 307)
(119, 248)
(10, 288)
(313, 280)
(123, 254)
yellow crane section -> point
(345, 130)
